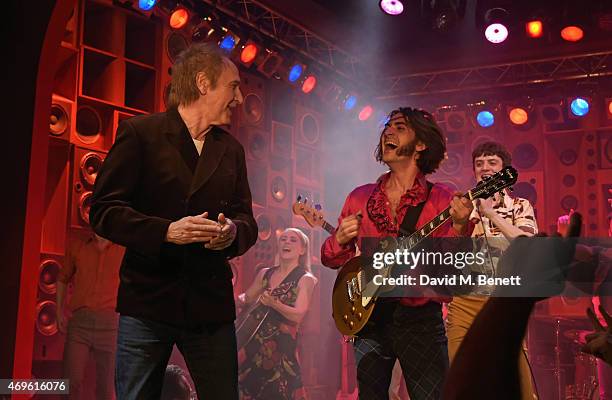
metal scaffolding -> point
(294, 36)
(574, 67)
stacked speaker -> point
(105, 72)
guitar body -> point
(349, 313)
(248, 323)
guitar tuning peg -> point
(318, 207)
(299, 198)
(510, 189)
(305, 200)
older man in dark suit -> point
(174, 191)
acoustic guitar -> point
(354, 294)
(252, 317)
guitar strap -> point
(408, 225)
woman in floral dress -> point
(270, 369)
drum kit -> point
(567, 362)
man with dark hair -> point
(410, 328)
(176, 386)
(498, 220)
(173, 190)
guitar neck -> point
(328, 227)
(433, 224)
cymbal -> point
(576, 335)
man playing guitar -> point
(409, 329)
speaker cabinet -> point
(253, 111)
(258, 182)
(48, 341)
(281, 140)
(279, 183)
(94, 124)
(55, 219)
(85, 168)
(61, 117)
(309, 126)
(565, 177)
(307, 167)
(457, 126)
(530, 186)
(605, 148)
(256, 143)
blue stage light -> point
(295, 73)
(227, 43)
(146, 5)
(485, 119)
(579, 107)
(350, 102)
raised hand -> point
(349, 228)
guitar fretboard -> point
(435, 223)
(328, 227)
(428, 228)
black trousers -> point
(414, 335)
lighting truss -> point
(574, 67)
(294, 36)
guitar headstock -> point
(312, 215)
(495, 183)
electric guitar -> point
(252, 318)
(354, 294)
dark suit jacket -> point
(151, 177)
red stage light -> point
(179, 18)
(519, 116)
(309, 84)
(248, 53)
(572, 33)
(365, 113)
(610, 107)
(534, 29)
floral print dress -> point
(271, 370)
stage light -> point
(228, 42)
(204, 31)
(444, 14)
(270, 62)
(572, 33)
(534, 29)
(609, 101)
(518, 116)
(496, 33)
(392, 7)
(146, 5)
(485, 119)
(249, 53)
(579, 107)
(295, 72)
(309, 84)
(365, 113)
(350, 102)
(179, 18)
(496, 21)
